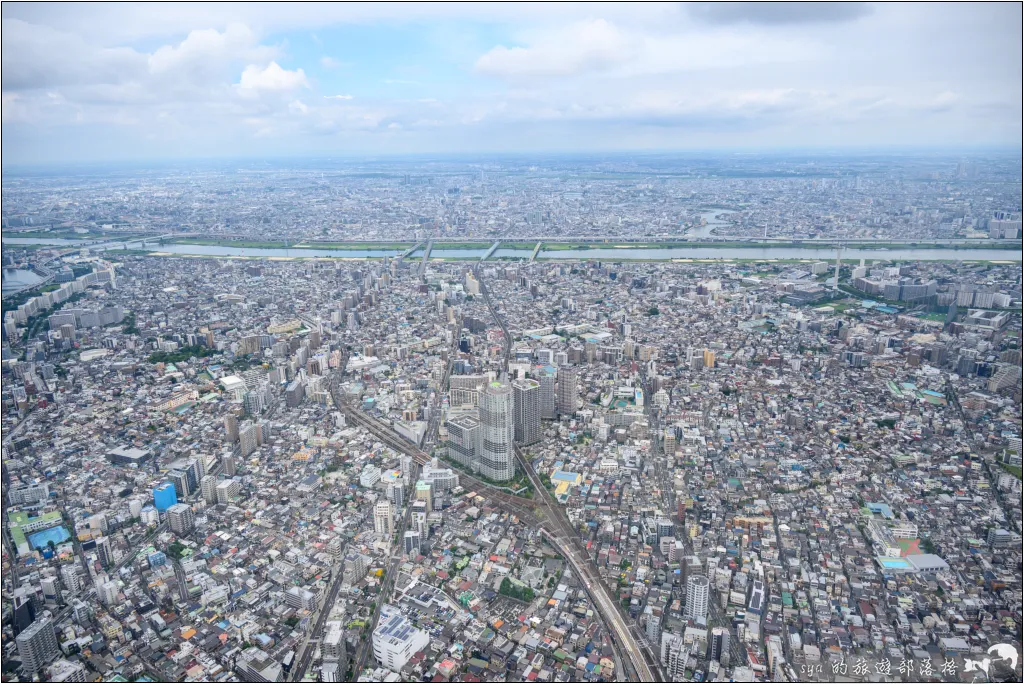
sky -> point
(106, 82)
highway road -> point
(308, 648)
(179, 574)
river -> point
(15, 279)
(711, 222)
(600, 253)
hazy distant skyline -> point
(97, 82)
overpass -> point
(426, 257)
(407, 253)
(536, 249)
(490, 251)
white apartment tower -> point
(698, 592)
(494, 457)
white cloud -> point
(272, 78)
(202, 46)
(584, 70)
(600, 47)
(36, 56)
(585, 46)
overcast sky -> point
(91, 82)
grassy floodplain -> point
(462, 245)
(281, 244)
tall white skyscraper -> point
(494, 457)
(383, 519)
(698, 592)
(526, 403)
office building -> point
(495, 458)
(698, 593)
(718, 644)
(396, 640)
(411, 543)
(164, 496)
(424, 491)
(419, 519)
(37, 645)
(396, 493)
(180, 518)
(228, 464)
(526, 404)
(294, 393)
(156, 559)
(28, 494)
(104, 551)
(383, 519)
(567, 391)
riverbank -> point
(622, 256)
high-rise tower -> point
(526, 402)
(494, 457)
(567, 393)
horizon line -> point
(820, 150)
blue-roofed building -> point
(880, 509)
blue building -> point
(156, 559)
(164, 496)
